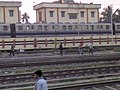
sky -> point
(27, 5)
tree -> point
(116, 16)
(25, 18)
(106, 15)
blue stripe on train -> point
(57, 33)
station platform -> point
(55, 54)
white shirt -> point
(41, 84)
(90, 45)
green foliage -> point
(106, 15)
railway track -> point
(31, 64)
(51, 60)
(54, 76)
(64, 73)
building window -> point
(51, 13)
(72, 15)
(82, 13)
(11, 13)
(92, 14)
(62, 13)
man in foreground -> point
(41, 83)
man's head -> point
(38, 73)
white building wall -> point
(63, 19)
(72, 11)
(1, 15)
(43, 14)
(45, 8)
(51, 19)
(83, 19)
(37, 16)
(92, 19)
(13, 19)
(5, 6)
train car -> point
(116, 28)
(59, 29)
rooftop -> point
(11, 3)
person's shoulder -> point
(41, 80)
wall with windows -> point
(57, 12)
(11, 14)
(9, 11)
(40, 15)
(82, 16)
(92, 15)
(51, 15)
(1, 15)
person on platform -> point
(12, 51)
(80, 48)
(90, 46)
(61, 49)
(41, 83)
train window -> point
(76, 26)
(107, 27)
(87, 27)
(20, 27)
(5, 28)
(32, 27)
(69, 27)
(53, 27)
(40, 27)
(118, 26)
(92, 27)
(101, 26)
(97, 26)
(80, 27)
(45, 27)
(64, 28)
(28, 27)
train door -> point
(13, 30)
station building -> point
(67, 11)
(9, 11)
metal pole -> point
(78, 33)
(56, 28)
(111, 24)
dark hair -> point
(38, 72)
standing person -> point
(12, 51)
(61, 49)
(80, 48)
(41, 83)
(90, 48)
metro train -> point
(58, 29)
